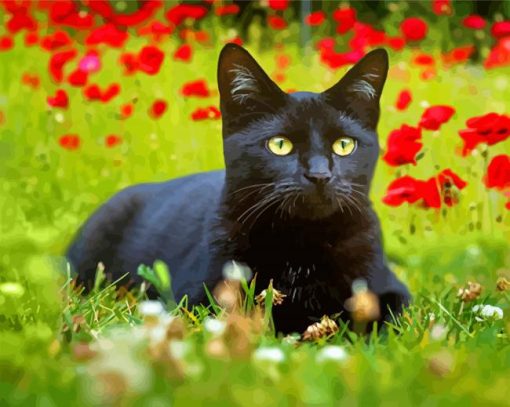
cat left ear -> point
(244, 86)
(359, 91)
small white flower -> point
(233, 270)
(269, 354)
(151, 308)
(488, 312)
(473, 250)
(438, 332)
(157, 334)
(214, 326)
(333, 353)
(179, 349)
(59, 117)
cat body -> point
(292, 203)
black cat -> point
(292, 202)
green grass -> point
(436, 354)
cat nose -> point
(318, 178)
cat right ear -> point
(246, 91)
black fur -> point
(303, 220)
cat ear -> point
(359, 91)
(245, 89)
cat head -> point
(310, 154)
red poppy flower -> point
(158, 108)
(183, 53)
(402, 146)
(210, 112)
(450, 184)
(188, 35)
(414, 29)
(278, 77)
(498, 173)
(227, 10)
(150, 59)
(107, 34)
(202, 36)
(130, 63)
(93, 92)
(396, 43)
(409, 189)
(31, 39)
(428, 73)
(78, 78)
(66, 13)
(276, 22)
(69, 141)
(424, 59)
(59, 100)
(501, 29)
(499, 54)
(336, 60)
(403, 189)
(404, 99)
(458, 55)
(146, 10)
(177, 14)
(278, 5)
(345, 19)
(126, 110)
(489, 129)
(31, 80)
(441, 7)
(315, 18)
(366, 36)
(112, 140)
(435, 116)
(430, 193)
(6, 43)
(55, 41)
(196, 88)
(20, 18)
(58, 61)
(236, 40)
(474, 22)
(157, 29)
(282, 61)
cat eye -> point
(344, 146)
(279, 145)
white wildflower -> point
(488, 312)
(179, 349)
(233, 270)
(269, 354)
(332, 352)
(214, 326)
(438, 332)
(59, 117)
(151, 308)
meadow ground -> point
(57, 347)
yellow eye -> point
(279, 145)
(344, 146)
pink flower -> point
(90, 62)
